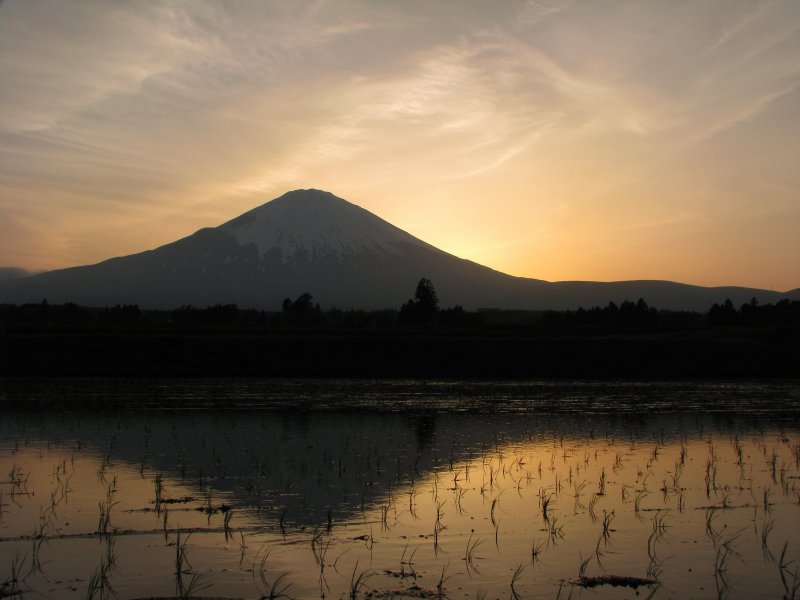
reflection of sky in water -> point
(682, 488)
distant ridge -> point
(345, 256)
(12, 273)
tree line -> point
(421, 310)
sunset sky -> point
(559, 139)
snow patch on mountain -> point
(314, 224)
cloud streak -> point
(126, 125)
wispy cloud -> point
(163, 117)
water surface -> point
(242, 489)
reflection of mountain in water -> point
(309, 462)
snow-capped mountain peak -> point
(316, 224)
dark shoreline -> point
(774, 400)
(424, 353)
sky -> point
(554, 139)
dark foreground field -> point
(435, 353)
(632, 340)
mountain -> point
(12, 273)
(346, 257)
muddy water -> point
(398, 489)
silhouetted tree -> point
(423, 306)
(303, 309)
(724, 314)
(426, 297)
(121, 313)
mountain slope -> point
(12, 273)
(346, 257)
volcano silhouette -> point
(346, 257)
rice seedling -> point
(407, 569)
(270, 589)
(592, 504)
(625, 493)
(711, 531)
(105, 507)
(443, 578)
(773, 465)
(544, 500)
(183, 567)
(226, 524)
(721, 570)
(555, 531)
(18, 480)
(617, 461)
(711, 475)
(577, 495)
(319, 548)
(438, 526)
(660, 522)
(158, 490)
(583, 565)
(165, 524)
(282, 523)
(536, 551)
(98, 586)
(790, 579)
(329, 524)
(385, 517)
(12, 586)
(469, 554)
(608, 517)
(637, 501)
(514, 579)
(37, 539)
(766, 529)
(357, 582)
(458, 500)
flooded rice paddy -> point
(399, 490)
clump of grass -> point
(271, 589)
(407, 565)
(357, 582)
(440, 590)
(11, 587)
(99, 585)
(183, 567)
(536, 551)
